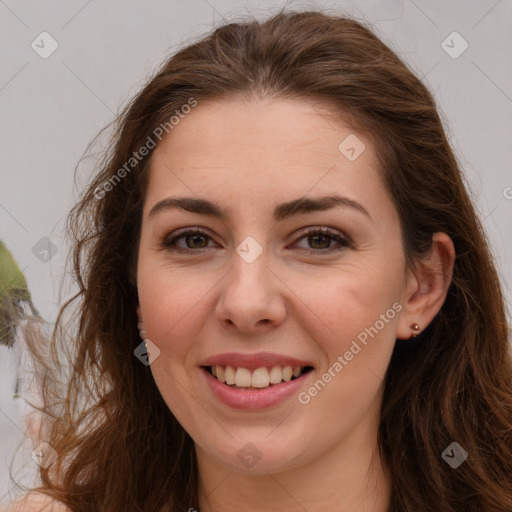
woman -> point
(286, 299)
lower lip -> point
(254, 399)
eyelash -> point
(343, 242)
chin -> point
(259, 456)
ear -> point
(139, 314)
(427, 286)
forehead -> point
(282, 128)
(266, 149)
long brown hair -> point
(120, 447)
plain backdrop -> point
(52, 107)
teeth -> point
(260, 377)
(276, 375)
(230, 375)
(220, 373)
(287, 373)
(243, 378)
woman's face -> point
(269, 286)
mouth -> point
(257, 378)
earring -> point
(414, 327)
(142, 332)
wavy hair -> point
(120, 447)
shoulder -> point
(34, 502)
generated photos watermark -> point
(305, 397)
(454, 455)
(158, 133)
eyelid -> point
(335, 235)
(169, 239)
(321, 229)
(343, 241)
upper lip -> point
(253, 361)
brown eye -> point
(320, 240)
(193, 239)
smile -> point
(253, 398)
(259, 378)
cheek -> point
(170, 301)
(344, 303)
(168, 298)
(353, 320)
(173, 308)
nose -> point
(252, 298)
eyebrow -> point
(281, 212)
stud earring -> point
(414, 327)
(142, 332)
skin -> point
(249, 156)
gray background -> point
(51, 108)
